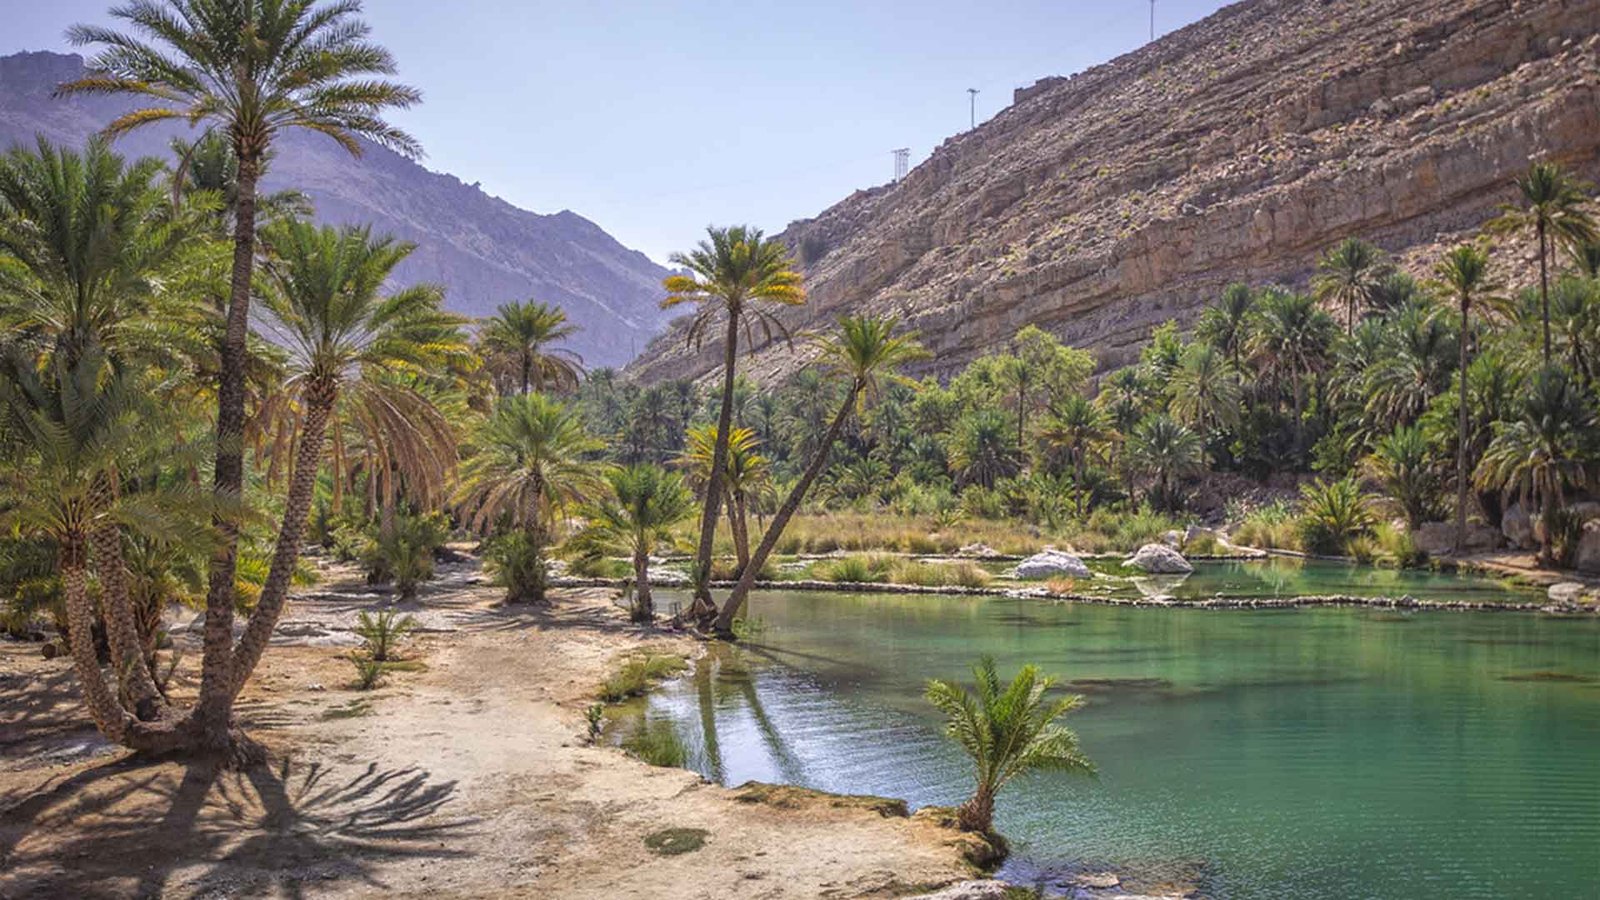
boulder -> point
(987, 889)
(1439, 538)
(1587, 557)
(1517, 526)
(1567, 592)
(1159, 559)
(1052, 564)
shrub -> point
(382, 632)
(1332, 514)
(368, 672)
(517, 564)
(1271, 527)
(403, 551)
(638, 673)
(595, 717)
(963, 573)
(1398, 546)
(657, 743)
(862, 569)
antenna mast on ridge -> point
(973, 92)
(902, 160)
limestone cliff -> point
(1237, 148)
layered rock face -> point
(1236, 149)
(482, 249)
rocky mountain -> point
(1236, 149)
(483, 249)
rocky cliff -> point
(1238, 148)
(484, 250)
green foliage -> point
(857, 569)
(369, 672)
(1332, 514)
(402, 551)
(382, 632)
(656, 742)
(638, 674)
(594, 717)
(1270, 527)
(1006, 730)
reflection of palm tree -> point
(789, 766)
(708, 718)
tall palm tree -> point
(1075, 425)
(735, 273)
(1007, 730)
(1226, 325)
(253, 69)
(980, 451)
(1412, 362)
(1551, 446)
(1464, 274)
(517, 341)
(645, 502)
(867, 351)
(324, 301)
(1291, 343)
(1350, 274)
(1204, 393)
(534, 459)
(1165, 451)
(1554, 206)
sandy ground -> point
(467, 777)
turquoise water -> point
(1285, 577)
(1317, 753)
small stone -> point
(315, 686)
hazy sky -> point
(656, 119)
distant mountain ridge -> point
(483, 249)
(1235, 149)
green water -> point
(1318, 753)
(1284, 577)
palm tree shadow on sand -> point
(123, 829)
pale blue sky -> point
(656, 119)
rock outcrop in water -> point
(1235, 149)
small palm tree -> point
(867, 351)
(1402, 462)
(980, 451)
(1226, 326)
(744, 475)
(1204, 393)
(1350, 274)
(1554, 206)
(1165, 451)
(516, 343)
(1333, 513)
(1464, 274)
(1550, 447)
(735, 273)
(1410, 364)
(252, 69)
(534, 459)
(346, 340)
(1291, 344)
(645, 503)
(1007, 730)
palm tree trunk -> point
(739, 525)
(977, 814)
(644, 607)
(286, 554)
(214, 709)
(780, 519)
(1544, 289)
(536, 539)
(127, 650)
(1461, 435)
(527, 370)
(107, 713)
(703, 606)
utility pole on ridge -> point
(973, 94)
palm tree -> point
(65, 428)
(1226, 325)
(1291, 344)
(253, 69)
(1550, 447)
(645, 502)
(514, 342)
(733, 274)
(1007, 730)
(1204, 392)
(1165, 451)
(534, 459)
(980, 451)
(868, 352)
(1464, 273)
(1412, 363)
(346, 340)
(1401, 461)
(1350, 274)
(746, 470)
(1554, 207)
(1076, 425)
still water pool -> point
(1309, 753)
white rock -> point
(982, 551)
(1159, 559)
(1052, 563)
(1567, 592)
(1517, 526)
(988, 889)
